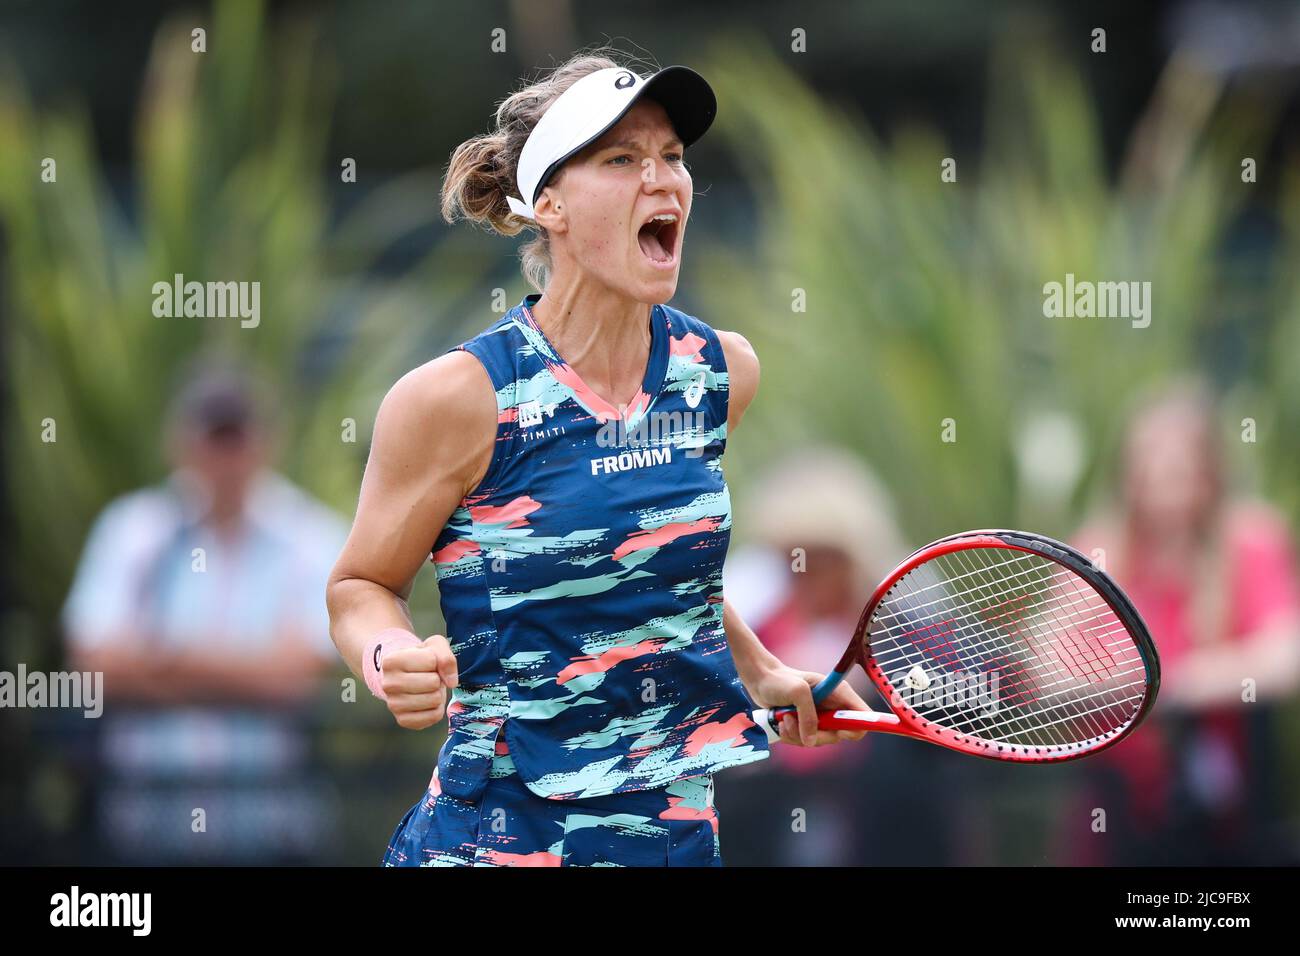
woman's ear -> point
(548, 212)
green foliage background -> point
(924, 299)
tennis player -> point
(564, 471)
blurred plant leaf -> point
(925, 299)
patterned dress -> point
(581, 583)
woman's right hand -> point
(416, 680)
(434, 440)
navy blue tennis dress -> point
(581, 583)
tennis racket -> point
(1002, 644)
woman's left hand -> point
(781, 686)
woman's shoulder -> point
(683, 323)
(451, 391)
(1101, 539)
(741, 358)
(736, 354)
(1256, 530)
(507, 349)
(437, 422)
(728, 352)
(501, 330)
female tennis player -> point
(563, 469)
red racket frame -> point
(910, 723)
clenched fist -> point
(416, 679)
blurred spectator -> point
(826, 539)
(1214, 577)
(202, 601)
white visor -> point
(590, 108)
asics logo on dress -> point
(695, 391)
(629, 460)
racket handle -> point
(869, 720)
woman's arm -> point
(769, 682)
(742, 375)
(433, 442)
(141, 672)
(1213, 676)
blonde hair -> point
(482, 170)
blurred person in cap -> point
(1214, 576)
(825, 536)
(199, 600)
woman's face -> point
(225, 460)
(1170, 480)
(827, 586)
(621, 206)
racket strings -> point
(1063, 667)
(1017, 717)
(1076, 649)
(963, 621)
(1028, 683)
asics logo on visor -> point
(623, 81)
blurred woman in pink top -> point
(1214, 576)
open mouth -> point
(657, 238)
